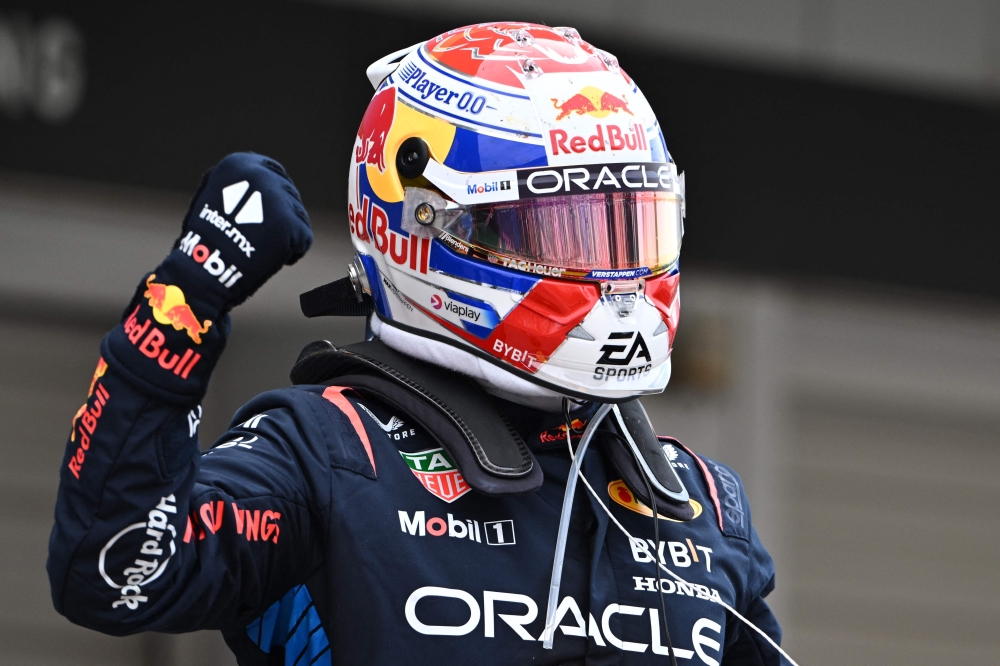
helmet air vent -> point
(523, 37)
(411, 159)
(531, 69)
(571, 34)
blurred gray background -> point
(840, 338)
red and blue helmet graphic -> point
(557, 210)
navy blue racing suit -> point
(325, 529)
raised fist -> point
(244, 224)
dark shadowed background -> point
(840, 344)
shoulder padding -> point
(337, 446)
(726, 490)
(450, 407)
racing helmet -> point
(511, 196)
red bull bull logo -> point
(102, 367)
(558, 434)
(591, 101)
(170, 307)
(375, 128)
(613, 104)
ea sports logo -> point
(436, 302)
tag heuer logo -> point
(438, 473)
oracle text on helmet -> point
(598, 178)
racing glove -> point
(245, 222)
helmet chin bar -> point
(430, 337)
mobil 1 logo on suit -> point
(490, 532)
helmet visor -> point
(614, 235)
(627, 233)
(599, 222)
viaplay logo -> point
(464, 311)
(476, 317)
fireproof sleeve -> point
(151, 534)
(148, 533)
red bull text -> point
(371, 225)
(86, 420)
(606, 137)
(150, 341)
